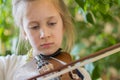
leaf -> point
(81, 3)
(104, 8)
(119, 2)
(1, 31)
(4, 1)
(89, 18)
(96, 73)
(0, 1)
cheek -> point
(34, 43)
(33, 39)
(59, 36)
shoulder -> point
(12, 58)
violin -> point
(58, 59)
(79, 63)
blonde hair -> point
(69, 37)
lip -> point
(47, 45)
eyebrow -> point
(31, 22)
(50, 17)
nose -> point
(44, 33)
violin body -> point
(60, 60)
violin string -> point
(83, 59)
(82, 64)
(45, 64)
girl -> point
(46, 25)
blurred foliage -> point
(7, 29)
(98, 26)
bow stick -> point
(86, 60)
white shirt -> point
(15, 67)
(9, 65)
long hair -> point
(62, 9)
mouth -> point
(47, 45)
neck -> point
(35, 53)
(52, 55)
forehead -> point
(41, 8)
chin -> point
(48, 52)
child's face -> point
(43, 26)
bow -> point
(81, 62)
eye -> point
(35, 27)
(52, 23)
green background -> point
(98, 26)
